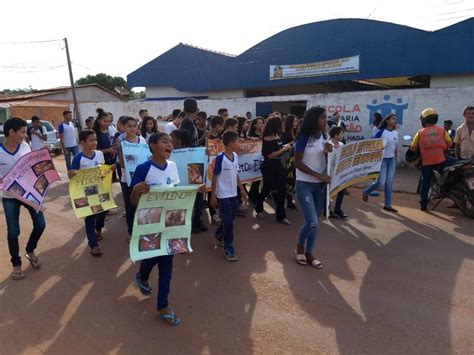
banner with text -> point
(134, 154)
(162, 224)
(91, 191)
(353, 163)
(328, 67)
(30, 178)
(250, 155)
(192, 165)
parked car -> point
(53, 142)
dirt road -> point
(391, 284)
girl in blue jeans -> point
(389, 162)
(311, 149)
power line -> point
(30, 42)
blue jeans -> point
(165, 270)
(71, 152)
(94, 223)
(311, 197)
(427, 173)
(129, 208)
(12, 216)
(227, 208)
(387, 172)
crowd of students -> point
(294, 161)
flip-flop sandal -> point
(317, 264)
(301, 259)
(171, 318)
(17, 275)
(34, 262)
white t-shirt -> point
(170, 127)
(391, 142)
(36, 142)
(154, 175)
(8, 159)
(226, 172)
(139, 140)
(69, 134)
(82, 161)
(313, 156)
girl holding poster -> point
(131, 127)
(311, 149)
(160, 172)
(10, 152)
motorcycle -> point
(454, 181)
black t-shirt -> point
(287, 137)
(188, 125)
(269, 147)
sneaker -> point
(95, 251)
(216, 220)
(340, 214)
(260, 215)
(143, 287)
(241, 211)
(219, 240)
(284, 221)
(202, 227)
(333, 215)
(230, 254)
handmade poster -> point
(91, 191)
(134, 154)
(250, 155)
(192, 165)
(30, 178)
(353, 163)
(162, 224)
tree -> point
(107, 81)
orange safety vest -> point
(432, 145)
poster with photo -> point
(91, 191)
(30, 178)
(250, 155)
(162, 224)
(134, 154)
(192, 163)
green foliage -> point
(107, 81)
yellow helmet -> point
(429, 116)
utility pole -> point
(77, 117)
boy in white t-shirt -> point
(224, 192)
(337, 136)
(159, 172)
(10, 152)
(90, 158)
(67, 136)
(36, 134)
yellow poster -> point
(91, 191)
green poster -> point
(162, 224)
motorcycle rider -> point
(432, 142)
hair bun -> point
(100, 111)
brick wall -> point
(51, 114)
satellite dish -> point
(121, 90)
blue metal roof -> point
(386, 50)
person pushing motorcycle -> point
(432, 142)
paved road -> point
(391, 284)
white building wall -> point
(355, 107)
(450, 81)
(168, 91)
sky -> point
(117, 37)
